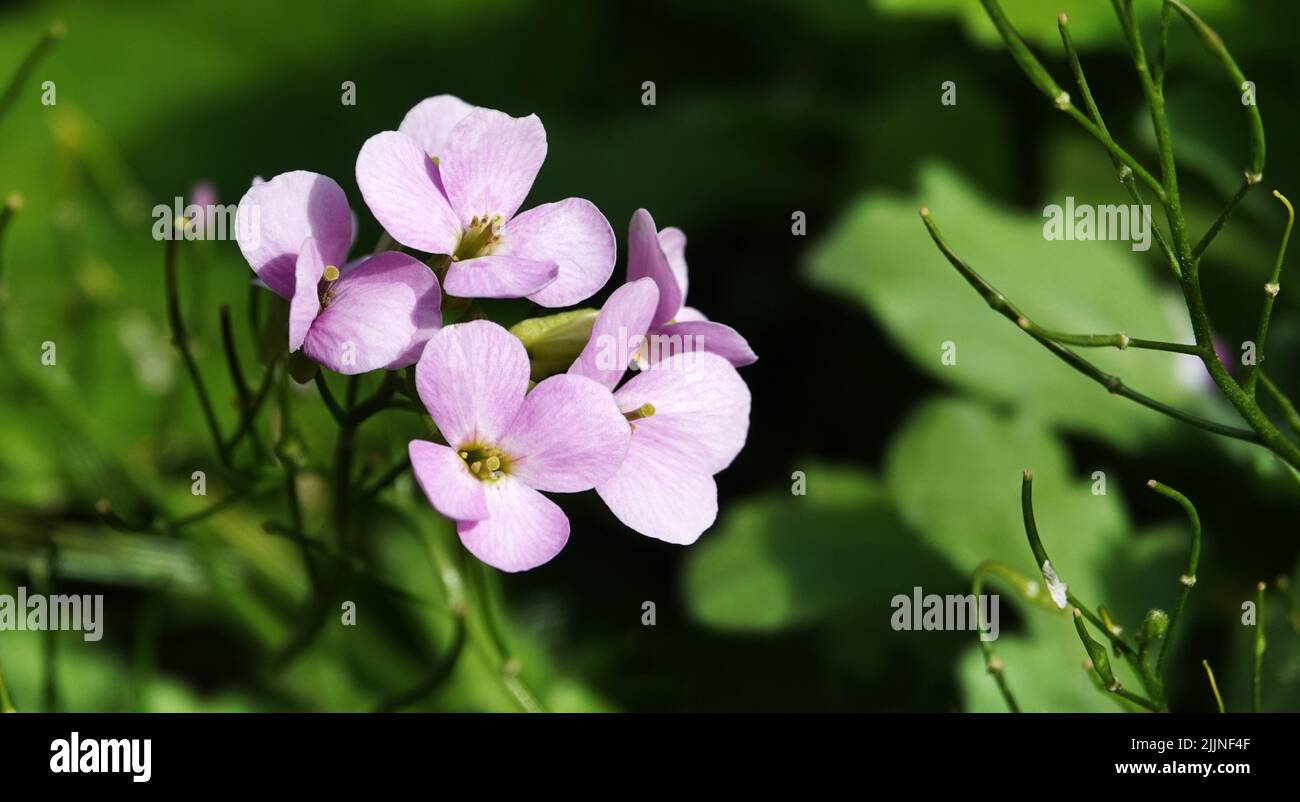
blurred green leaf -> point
(881, 255)
(954, 473)
(781, 560)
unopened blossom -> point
(451, 181)
(661, 256)
(506, 443)
(688, 416)
(376, 312)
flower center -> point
(486, 463)
(480, 238)
(326, 289)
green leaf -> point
(954, 473)
(881, 255)
(781, 560)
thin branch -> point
(1160, 124)
(1214, 43)
(328, 397)
(1271, 290)
(1201, 247)
(180, 339)
(1125, 173)
(1121, 340)
(1113, 384)
(441, 671)
(1034, 69)
(1214, 686)
(1188, 579)
(389, 476)
(1288, 408)
(1257, 656)
(52, 35)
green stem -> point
(1188, 579)
(1214, 686)
(1257, 660)
(1126, 173)
(1160, 124)
(52, 35)
(6, 703)
(1288, 408)
(1271, 290)
(1220, 221)
(387, 478)
(441, 671)
(181, 340)
(1255, 123)
(1113, 384)
(1039, 76)
(1120, 340)
(327, 396)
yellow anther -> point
(331, 273)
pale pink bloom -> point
(661, 256)
(697, 421)
(352, 318)
(506, 443)
(451, 181)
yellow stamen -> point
(646, 410)
(331, 273)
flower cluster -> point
(447, 186)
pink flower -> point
(451, 180)
(690, 418)
(505, 444)
(375, 313)
(676, 327)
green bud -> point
(1154, 625)
(554, 341)
(1096, 653)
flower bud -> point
(554, 341)
(1155, 625)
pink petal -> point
(575, 236)
(523, 530)
(569, 436)
(498, 276)
(700, 402)
(430, 122)
(689, 313)
(662, 490)
(451, 488)
(400, 185)
(381, 314)
(305, 304)
(472, 378)
(618, 333)
(699, 336)
(645, 257)
(276, 216)
(490, 162)
(673, 242)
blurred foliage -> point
(912, 467)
